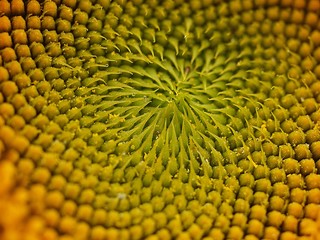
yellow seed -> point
(19, 36)
(275, 219)
(308, 227)
(313, 196)
(311, 19)
(54, 199)
(6, 110)
(4, 74)
(271, 233)
(67, 224)
(68, 208)
(5, 8)
(41, 175)
(7, 134)
(84, 212)
(33, 7)
(52, 217)
(14, 68)
(20, 143)
(57, 182)
(312, 211)
(7, 171)
(8, 55)
(217, 234)
(5, 40)
(99, 233)
(17, 7)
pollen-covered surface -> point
(159, 119)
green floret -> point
(150, 119)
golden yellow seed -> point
(68, 208)
(72, 190)
(34, 153)
(235, 233)
(57, 182)
(275, 219)
(27, 112)
(67, 225)
(19, 36)
(305, 50)
(136, 231)
(34, 35)
(5, 40)
(285, 16)
(315, 150)
(307, 166)
(52, 217)
(310, 105)
(54, 199)
(315, 116)
(295, 181)
(311, 19)
(84, 212)
(290, 223)
(82, 231)
(6, 110)
(4, 74)
(298, 4)
(48, 23)
(33, 22)
(311, 211)
(33, 7)
(297, 16)
(99, 216)
(41, 175)
(87, 196)
(13, 68)
(313, 5)
(7, 171)
(11, 155)
(100, 233)
(308, 227)
(8, 55)
(20, 143)
(314, 37)
(313, 196)
(307, 63)
(271, 233)
(312, 181)
(26, 166)
(240, 220)
(7, 134)
(49, 161)
(277, 203)
(50, 234)
(298, 195)
(184, 236)
(255, 227)
(258, 212)
(17, 7)
(286, 235)
(217, 234)
(316, 54)
(5, 8)
(22, 80)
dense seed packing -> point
(150, 119)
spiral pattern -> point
(149, 119)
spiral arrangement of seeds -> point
(151, 119)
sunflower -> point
(159, 119)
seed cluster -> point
(159, 119)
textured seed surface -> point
(149, 119)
